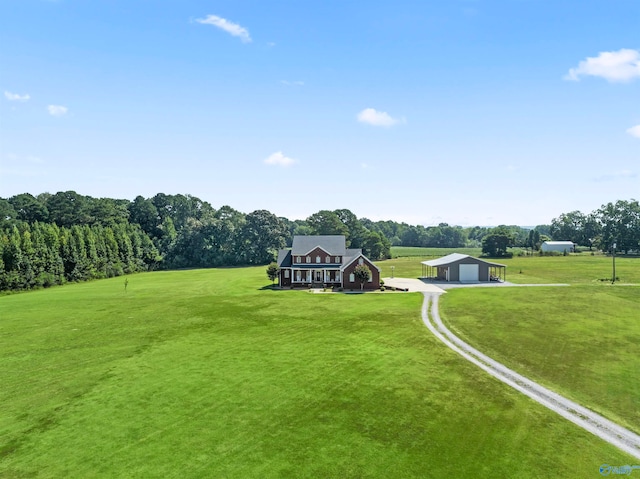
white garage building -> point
(463, 268)
(560, 246)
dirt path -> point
(609, 431)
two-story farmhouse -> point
(323, 260)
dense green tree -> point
(54, 266)
(13, 260)
(107, 211)
(125, 248)
(414, 236)
(376, 246)
(68, 208)
(144, 213)
(91, 251)
(272, 272)
(391, 230)
(261, 236)
(356, 234)
(570, 227)
(444, 236)
(28, 208)
(326, 222)
(27, 270)
(182, 207)
(620, 224)
(7, 214)
(362, 273)
(544, 230)
(497, 241)
(533, 240)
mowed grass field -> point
(207, 374)
(582, 340)
(580, 268)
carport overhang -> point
(440, 269)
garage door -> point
(469, 273)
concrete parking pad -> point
(412, 284)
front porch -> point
(316, 277)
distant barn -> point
(559, 246)
(463, 268)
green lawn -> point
(574, 269)
(582, 341)
(206, 374)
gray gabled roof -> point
(332, 244)
(284, 258)
(454, 258)
(351, 255)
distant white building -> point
(560, 246)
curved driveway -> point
(607, 430)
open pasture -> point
(581, 341)
(580, 268)
(205, 373)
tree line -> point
(617, 223)
(54, 238)
(41, 254)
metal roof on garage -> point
(456, 257)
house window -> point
(360, 261)
(328, 259)
(286, 273)
(317, 259)
(337, 259)
(352, 278)
(308, 259)
(298, 259)
(370, 277)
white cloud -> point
(620, 66)
(229, 27)
(377, 118)
(278, 159)
(16, 97)
(57, 110)
(634, 131)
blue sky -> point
(470, 112)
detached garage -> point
(463, 268)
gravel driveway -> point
(620, 437)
